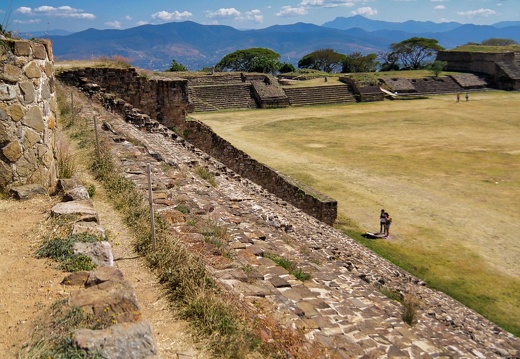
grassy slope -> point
(449, 174)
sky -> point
(77, 15)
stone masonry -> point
(27, 113)
(341, 305)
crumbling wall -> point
(28, 113)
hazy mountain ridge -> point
(197, 46)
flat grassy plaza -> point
(448, 173)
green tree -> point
(356, 62)
(390, 61)
(436, 67)
(176, 67)
(326, 60)
(255, 59)
(498, 42)
(287, 67)
(415, 52)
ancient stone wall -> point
(166, 100)
(27, 113)
(474, 61)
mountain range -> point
(197, 46)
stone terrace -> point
(340, 305)
(319, 95)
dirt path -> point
(29, 286)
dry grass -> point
(447, 172)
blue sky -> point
(77, 15)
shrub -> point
(410, 307)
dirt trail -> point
(29, 286)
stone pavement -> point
(340, 305)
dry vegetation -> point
(448, 173)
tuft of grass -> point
(62, 251)
(205, 174)
(410, 307)
(391, 293)
(289, 265)
(66, 161)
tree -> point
(437, 66)
(287, 67)
(324, 60)
(499, 42)
(255, 59)
(390, 61)
(414, 52)
(356, 62)
(176, 66)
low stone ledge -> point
(84, 209)
(27, 191)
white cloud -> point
(440, 7)
(223, 13)
(139, 23)
(328, 3)
(439, 0)
(172, 16)
(33, 21)
(62, 11)
(480, 12)
(288, 11)
(254, 15)
(128, 17)
(365, 11)
(113, 24)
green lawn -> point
(448, 173)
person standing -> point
(388, 222)
(382, 221)
(458, 97)
(467, 96)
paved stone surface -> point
(340, 305)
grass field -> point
(447, 172)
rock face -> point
(27, 114)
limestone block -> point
(77, 193)
(100, 253)
(27, 89)
(3, 113)
(11, 73)
(32, 70)
(48, 47)
(13, 151)
(120, 341)
(33, 118)
(16, 110)
(104, 274)
(66, 184)
(30, 138)
(26, 165)
(39, 51)
(84, 208)
(76, 278)
(7, 133)
(7, 92)
(27, 191)
(6, 174)
(4, 55)
(49, 69)
(89, 228)
(46, 90)
(22, 48)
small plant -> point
(91, 190)
(62, 251)
(205, 174)
(410, 307)
(66, 161)
(289, 265)
(391, 293)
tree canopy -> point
(326, 60)
(415, 52)
(176, 66)
(498, 42)
(356, 62)
(255, 59)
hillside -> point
(198, 46)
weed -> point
(289, 265)
(62, 251)
(66, 161)
(410, 307)
(391, 293)
(91, 190)
(205, 174)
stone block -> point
(33, 118)
(120, 341)
(11, 73)
(39, 51)
(100, 253)
(77, 193)
(27, 191)
(45, 90)
(26, 165)
(16, 111)
(49, 69)
(13, 151)
(84, 209)
(22, 48)
(32, 70)
(77, 278)
(30, 138)
(103, 274)
(27, 89)
(3, 113)
(6, 174)
(7, 92)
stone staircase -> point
(430, 85)
(319, 95)
(216, 97)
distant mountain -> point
(197, 46)
(506, 24)
(345, 23)
(40, 34)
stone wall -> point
(27, 113)
(474, 61)
(166, 100)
